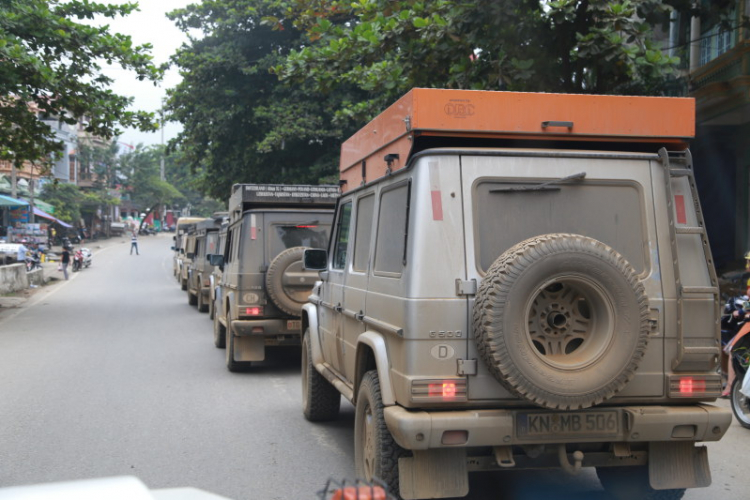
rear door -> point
(612, 203)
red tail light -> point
(253, 311)
(694, 386)
(449, 390)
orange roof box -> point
(440, 117)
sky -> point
(148, 25)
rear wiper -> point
(545, 186)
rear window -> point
(308, 234)
(611, 213)
(212, 243)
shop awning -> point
(44, 206)
(7, 201)
(45, 215)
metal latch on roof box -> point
(466, 287)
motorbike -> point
(87, 257)
(736, 342)
(33, 262)
(77, 260)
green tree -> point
(50, 63)
(141, 178)
(66, 198)
(239, 123)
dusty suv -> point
(199, 268)
(517, 307)
(263, 286)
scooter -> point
(33, 262)
(736, 341)
(77, 260)
(87, 257)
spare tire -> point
(562, 321)
(287, 283)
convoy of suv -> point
(508, 281)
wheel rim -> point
(741, 404)
(570, 322)
(368, 452)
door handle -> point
(338, 307)
(359, 316)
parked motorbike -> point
(77, 260)
(33, 262)
(87, 257)
(735, 336)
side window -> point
(228, 246)
(363, 232)
(390, 247)
(342, 236)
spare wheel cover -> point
(287, 283)
(562, 321)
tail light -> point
(438, 390)
(694, 386)
(253, 311)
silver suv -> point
(263, 286)
(492, 308)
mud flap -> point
(249, 348)
(434, 474)
(678, 465)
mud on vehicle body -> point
(184, 224)
(199, 269)
(500, 307)
(263, 285)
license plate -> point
(561, 425)
(294, 324)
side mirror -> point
(315, 259)
(216, 260)
(173, 248)
(174, 238)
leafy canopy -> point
(50, 63)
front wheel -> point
(376, 454)
(629, 483)
(740, 403)
(202, 306)
(220, 333)
(320, 400)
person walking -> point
(134, 243)
(64, 261)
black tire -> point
(220, 333)
(376, 454)
(287, 283)
(202, 306)
(740, 403)
(562, 321)
(320, 400)
(192, 298)
(630, 483)
(183, 284)
(232, 365)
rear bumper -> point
(424, 430)
(273, 328)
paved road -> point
(112, 373)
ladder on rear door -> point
(680, 164)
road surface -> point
(112, 373)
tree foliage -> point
(239, 123)
(50, 63)
(339, 63)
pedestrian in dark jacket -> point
(65, 261)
